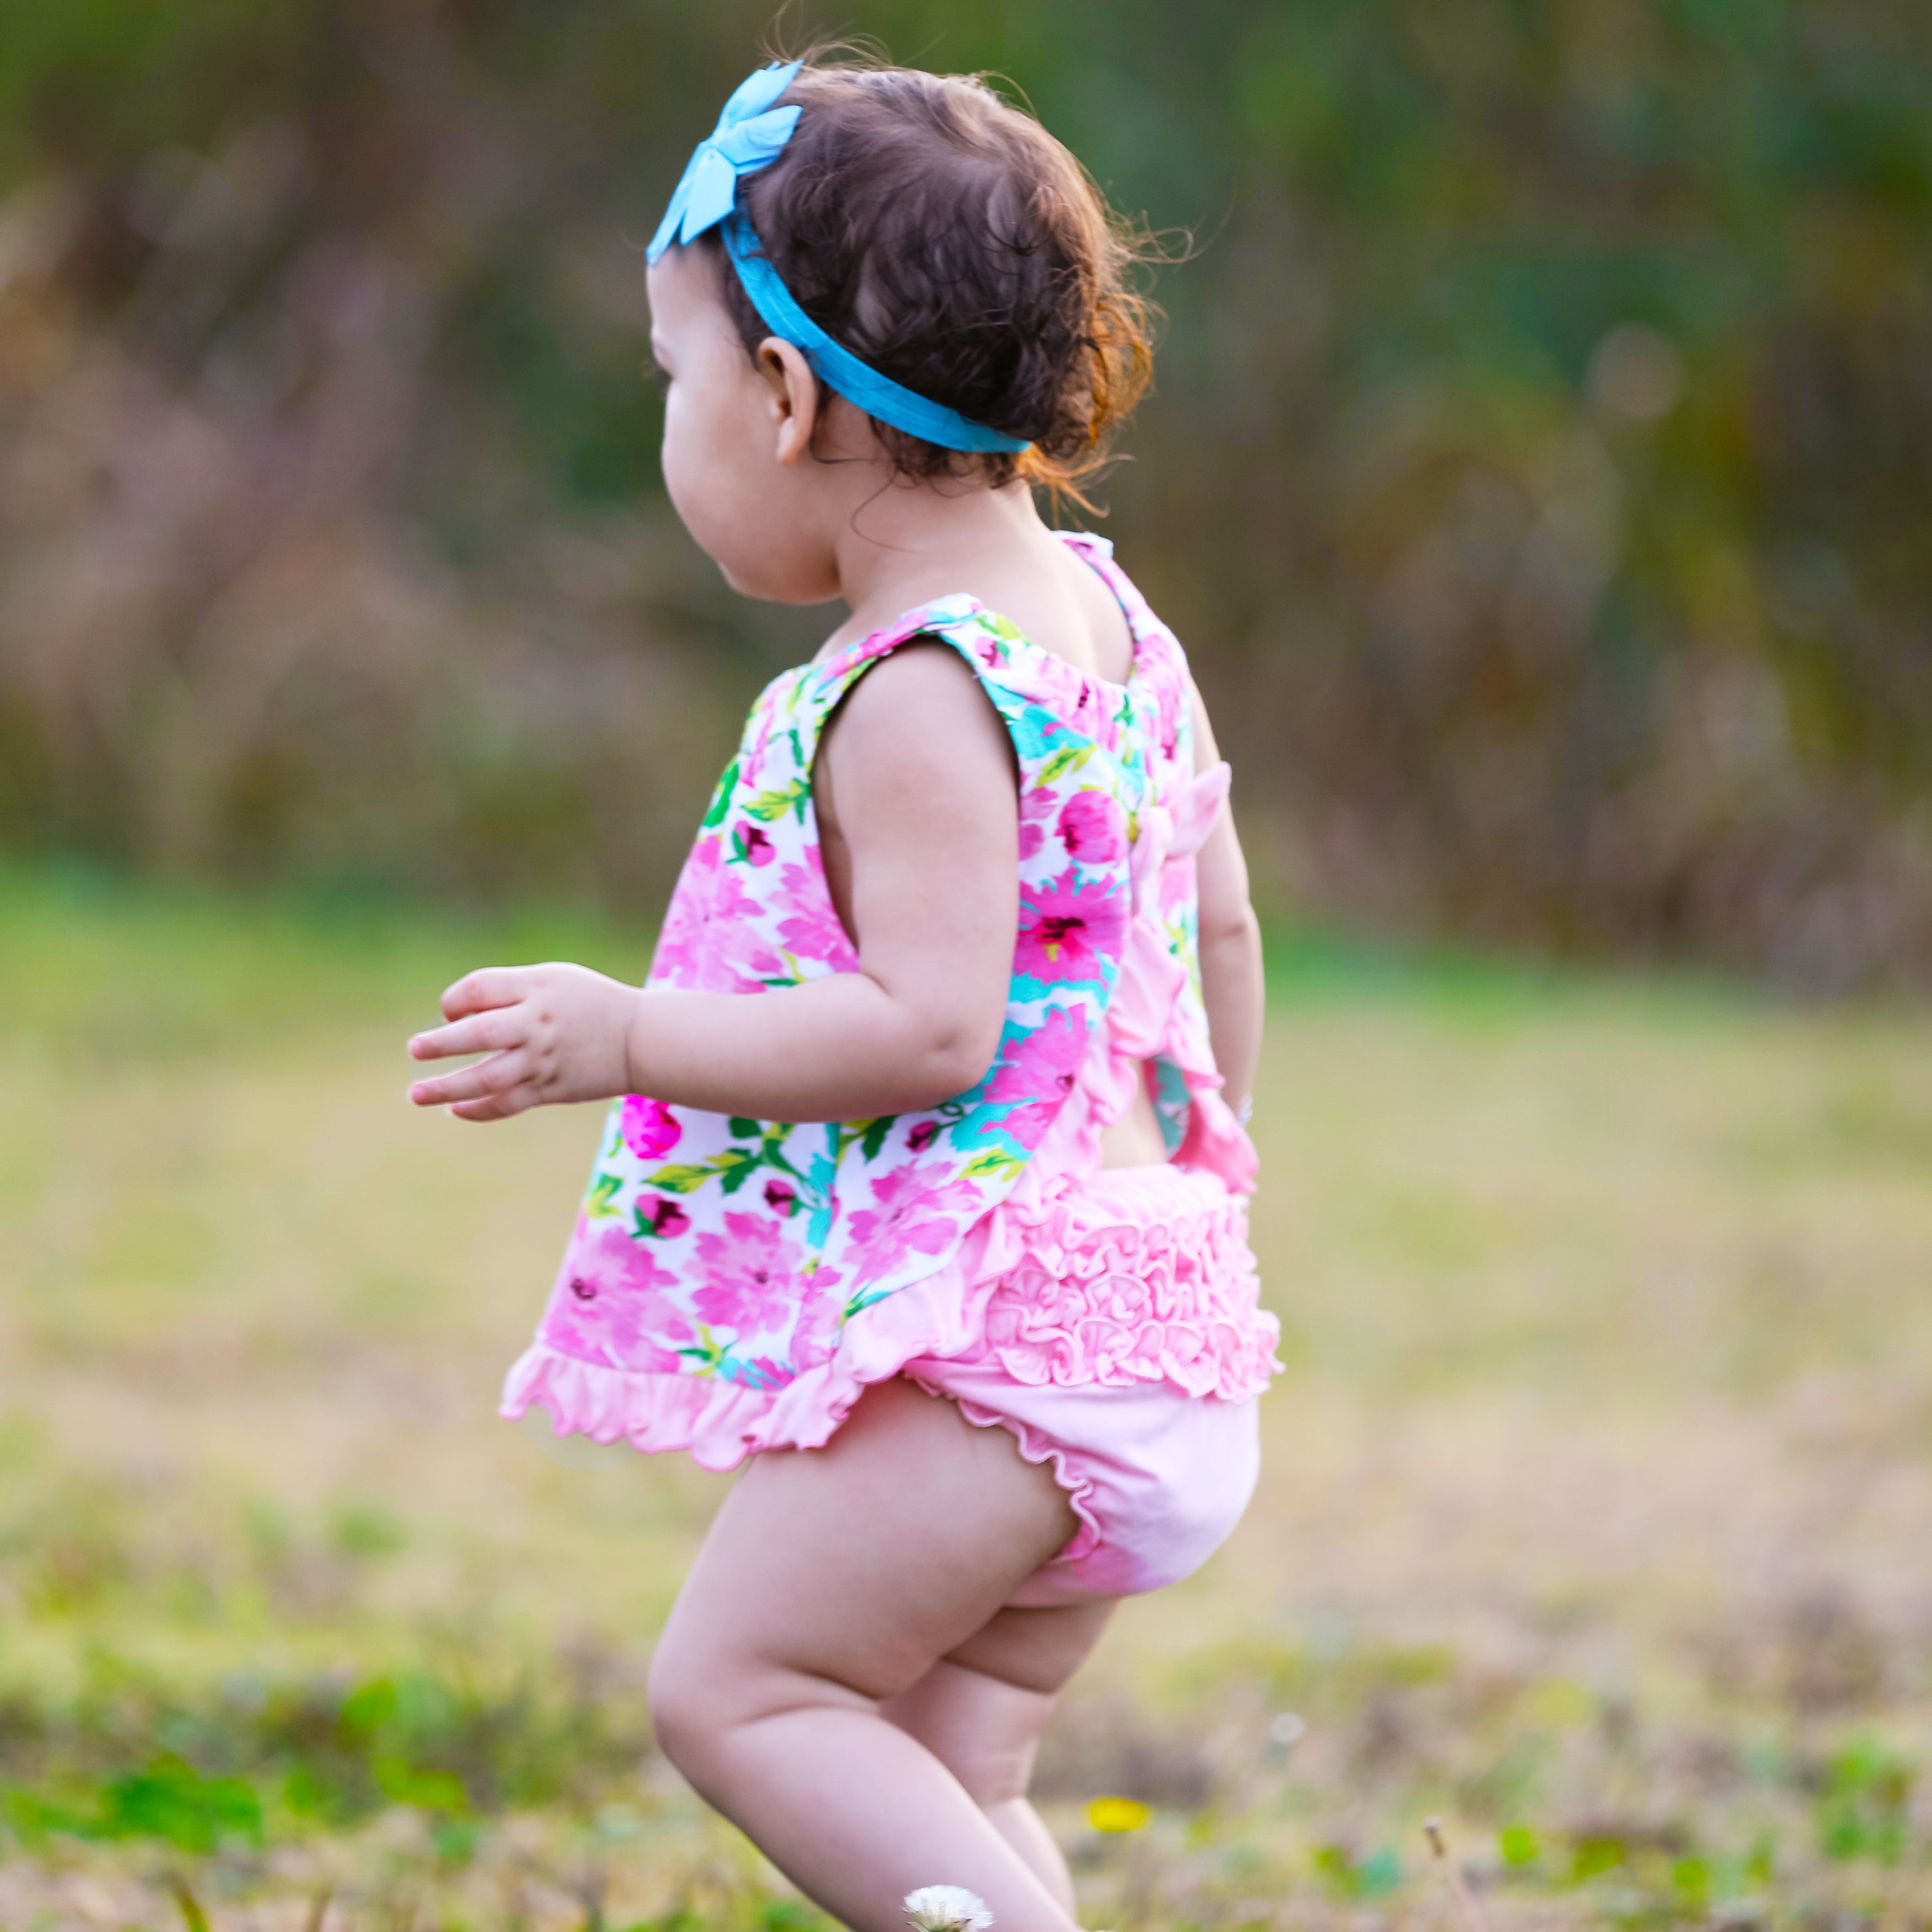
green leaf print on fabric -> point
(735, 1167)
(708, 1356)
(994, 1164)
(681, 1180)
(773, 805)
(1062, 762)
(721, 799)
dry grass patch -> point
(1597, 1517)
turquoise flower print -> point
(1070, 930)
(1036, 731)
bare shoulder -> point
(922, 672)
(917, 738)
(922, 705)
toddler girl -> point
(924, 1185)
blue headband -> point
(751, 134)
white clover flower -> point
(947, 1908)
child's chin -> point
(760, 582)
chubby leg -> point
(980, 1710)
(833, 1580)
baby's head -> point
(940, 237)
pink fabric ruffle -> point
(1068, 1475)
(721, 1423)
(1140, 1275)
(1132, 1275)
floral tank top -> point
(724, 1271)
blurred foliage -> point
(1539, 472)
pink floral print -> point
(1038, 808)
(742, 1250)
(1037, 1071)
(821, 1316)
(1069, 928)
(649, 1128)
(913, 1213)
(678, 961)
(661, 1215)
(753, 843)
(1094, 828)
(609, 1305)
(811, 929)
(749, 1273)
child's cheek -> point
(692, 465)
(719, 474)
(674, 456)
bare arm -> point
(1231, 941)
(928, 824)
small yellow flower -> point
(1117, 1814)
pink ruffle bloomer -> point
(1109, 1321)
(1123, 1344)
(1108, 1317)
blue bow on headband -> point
(751, 134)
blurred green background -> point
(1539, 473)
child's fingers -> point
(501, 1071)
(498, 1106)
(489, 986)
(481, 1033)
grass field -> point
(1597, 1517)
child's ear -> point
(794, 396)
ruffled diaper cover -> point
(1123, 1345)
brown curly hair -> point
(950, 241)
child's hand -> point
(554, 1033)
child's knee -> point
(690, 1697)
(703, 1695)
